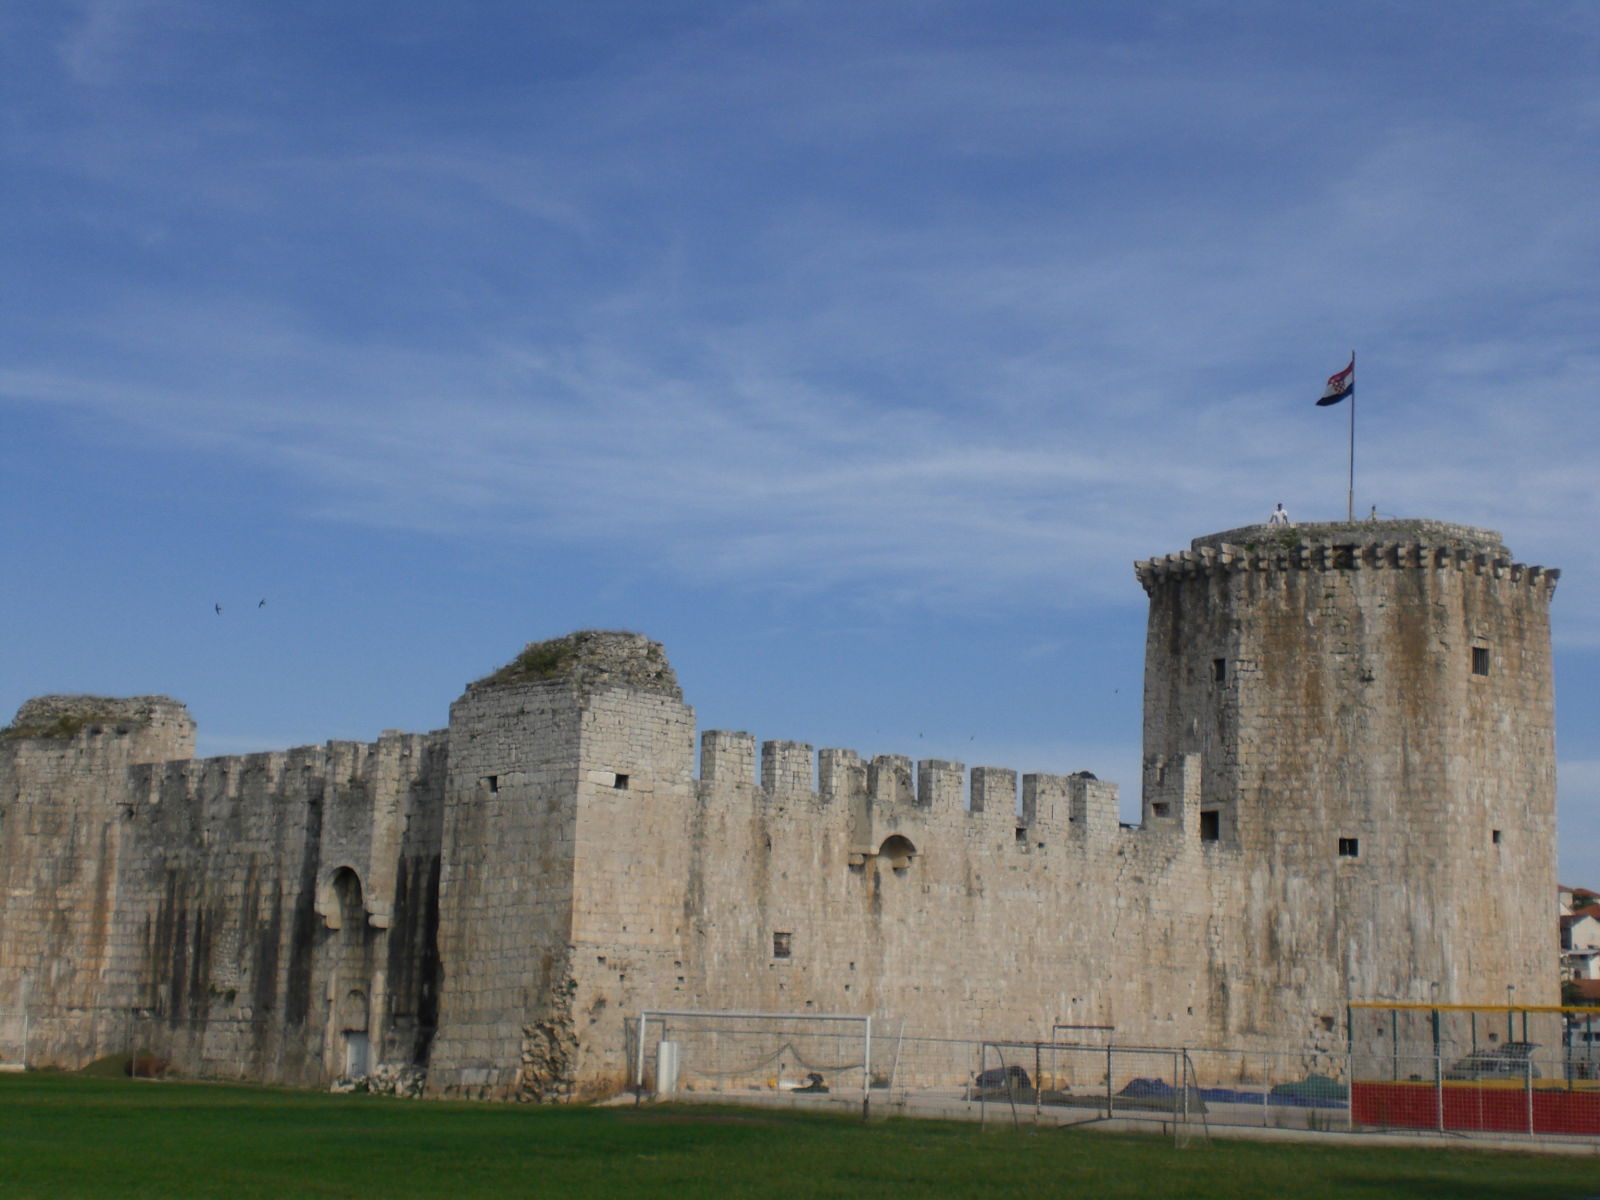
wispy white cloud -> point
(808, 298)
(745, 409)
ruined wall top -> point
(1361, 533)
(590, 659)
(141, 728)
(60, 716)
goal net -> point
(802, 1053)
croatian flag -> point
(1339, 386)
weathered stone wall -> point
(285, 907)
(1299, 693)
(244, 916)
(1394, 809)
(904, 894)
(1348, 792)
(537, 750)
(632, 854)
(64, 765)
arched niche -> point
(340, 901)
(897, 851)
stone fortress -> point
(1348, 793)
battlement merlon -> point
(1342, 545)
(889, 786)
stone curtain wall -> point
(1348, 793)
(885, 894)
(1304, 697)
(284, 906)
(239, 916)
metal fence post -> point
(1266, 1094)
(1438, 1087)
(1038, 1084)
(1179, 1094)
(866, 1069)
(1350, 1087)
(1110, 1104)
(1527, 1080)
(983, 1099)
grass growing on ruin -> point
(67, 1136)
(63, 729)
(539, 660)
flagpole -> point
(1350, 496)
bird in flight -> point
(218, 607)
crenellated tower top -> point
(1341, 545)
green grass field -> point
(70, 1136)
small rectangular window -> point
(1495, 837)
(620, 782)
(782, 945)
(1349, 847)
(1480, 660)
(1160, 809)
(1210, 825)
(1219, 670)
(492, 782)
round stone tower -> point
(1372, 712)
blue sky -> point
(854, 351)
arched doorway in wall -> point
(348, 959)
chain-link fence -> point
(807, 1061)
(1531, 1071)
(1466, 1069)
(1052, 1082)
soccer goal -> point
(681, 1052)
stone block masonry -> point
(1347, 792)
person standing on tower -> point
(1279, 516)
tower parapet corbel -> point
(1342, 546)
